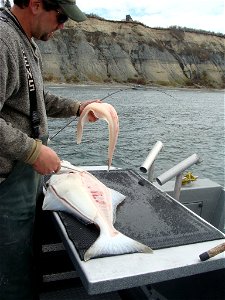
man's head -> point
(68, 7)
(41, 18)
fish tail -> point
(115, 245)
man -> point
(24, 155)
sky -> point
(207, 15)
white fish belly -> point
(83, 195)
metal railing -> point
(148, 165)
(177, 171)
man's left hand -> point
(91, 115)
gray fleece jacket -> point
(15, 125)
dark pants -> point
(18, 195)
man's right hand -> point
(47, 161)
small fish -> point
(102, 111)
(78, 192)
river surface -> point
(185, 121)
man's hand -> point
(47, 162)
(91, 115)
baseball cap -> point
(71, 10)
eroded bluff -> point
(108, 51)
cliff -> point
(109, 51)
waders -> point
(18, 196)
(17, 212)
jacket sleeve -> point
(60, 107)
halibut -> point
(81, 194)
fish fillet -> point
(106, 112)
(78, 192)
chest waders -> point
(17, 206)
(18, 195)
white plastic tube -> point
(151, 157)
(179, 168)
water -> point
(185, 121)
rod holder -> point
(179, 168)
(148, 165)
(177, 171)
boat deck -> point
(177, 235)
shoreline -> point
(134, 86)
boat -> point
(183, 223)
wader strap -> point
(34, 117)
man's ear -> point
(35, 6)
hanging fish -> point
(106, 112)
